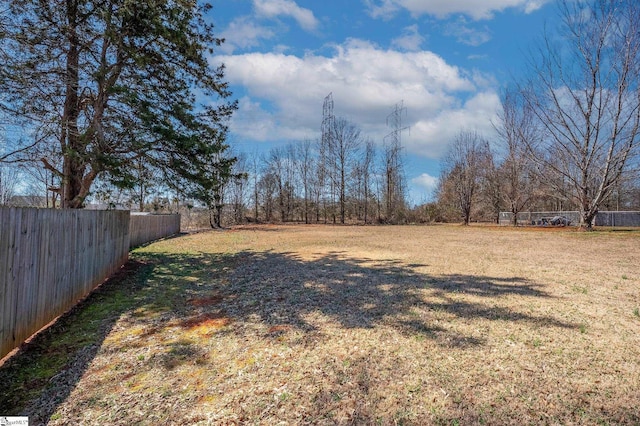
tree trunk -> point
(366, 202)
(342, 196)
(69, 137)
(218, 217)
(467, 217)
(587, 218)
(211, 218)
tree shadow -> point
(284, 289)
(277, 291)
(489, 286)
(47, 366)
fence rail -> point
(50, 259)
(603, 218)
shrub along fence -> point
(50, 259)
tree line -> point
(122, 105)
(340, 179)
(567, 139)
(569, 132)
(343, 178)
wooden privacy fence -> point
(150, 227)
(50, 259)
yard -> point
(348, 325)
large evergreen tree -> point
(109, 82)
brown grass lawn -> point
(363, 325)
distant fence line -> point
(50, 259)
(604, 218)
(150, 227)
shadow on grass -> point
(279, 290)
(47, 367)
(359, 293)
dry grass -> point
(369, 325)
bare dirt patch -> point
(371, 325)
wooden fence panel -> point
(49, 259)
(145, 227)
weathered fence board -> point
(150, 227)
(49, 259)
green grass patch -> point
(579, 289)
(29, 373)
(152, 283)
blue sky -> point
(447, 60)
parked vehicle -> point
(560, 221)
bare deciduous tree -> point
(9, 178)
(254, 177)
(347, 142)
(363, 171)
(462, 170)
(305, 164)
(517, 131)
(238, 188)
(280, 165)
(394, 182)
(585, 95)
(268, 190)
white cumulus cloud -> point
(250, 31)
(243, 33)
(410, 40)
(467, 34)
(274, 8)
(476, 9)
(284, 95)
(426, 183)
